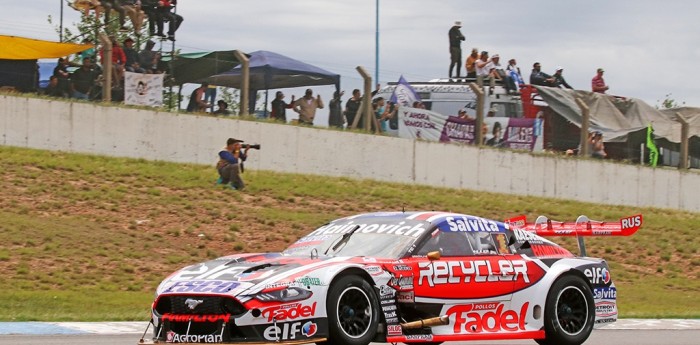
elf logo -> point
(290, 331)
(598, 275)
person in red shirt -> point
(118, 62)
(598, 83)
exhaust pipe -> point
(433, 321)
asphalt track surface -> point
(599, 337)
(623, 332)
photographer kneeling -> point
(230, 163)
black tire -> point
(353, 312)
(569, 312)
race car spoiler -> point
(582, 227)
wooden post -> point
(585, 121)
(107, 68)
(685, 128)
(245, 81)
(478, 135)
(366, 105)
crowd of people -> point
(339, 116)
(157, 12)
(83, 82)
(483, 67)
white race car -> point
(408, 277)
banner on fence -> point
(520, 134)
(143, 89)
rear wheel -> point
(353, 316)
(569, 312)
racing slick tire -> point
(353, 312)
(569, 312)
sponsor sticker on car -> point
(289, 312)
(290, 331)
(487, 317)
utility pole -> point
(376, 45)
(60, 32)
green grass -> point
(89, 238)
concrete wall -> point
(90, 128)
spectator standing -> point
(598, 148)
(210, 96)
(381, 113)
(537, 77)
(279, 107)
(132, 57)
(148, 59)
(335, 107)
(223, 108)
(471, 63)
(352, 106)
(456, 39)
(598, 83)
(197, 103)
(83, 80)
(306, 107)
(559, 79)
(229, 165)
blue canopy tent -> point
(270, 70)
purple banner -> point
(521, 134)
(458, 130)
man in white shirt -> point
(485, 70)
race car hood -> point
(233, 275)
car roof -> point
(445, 221)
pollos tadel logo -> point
(487, 317)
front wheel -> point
(569, 312)
(353, 316)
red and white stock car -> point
(411, 277)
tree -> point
(668, 103)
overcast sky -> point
(648, 48)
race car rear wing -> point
(582, 227)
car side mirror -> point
(432, 256)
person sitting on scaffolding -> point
(108, 6)
(86, 6)
(165, 14)
(133, 10)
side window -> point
(482, 243)
(448, 243)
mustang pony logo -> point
(193, 303)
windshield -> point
(383, 235)
(357, 244)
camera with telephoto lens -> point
(249, 146)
